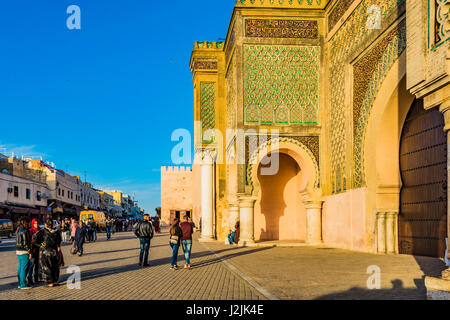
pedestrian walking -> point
(109, 225)
(90, 236)
(94, 231)
(144, 231)
(186, 242)
(23, 252)
(49, 253)
(176, 234)
(64, 231)
(73, 229)
(80, 237)
(33, 273)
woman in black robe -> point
(49, 240)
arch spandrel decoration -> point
(382, 56)
(292, 146)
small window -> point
(16, 191)
(62, 192)
(28, 194)
(38, 196)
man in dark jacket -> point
(144, 231)
(80, 236)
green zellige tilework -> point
(281, 84)
(208, 105)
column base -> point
(314, 242)
(244, 243)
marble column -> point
(247, 224)
(313, 222)
(233, 210)
(381, 232)
(391, 231)
(207, 193)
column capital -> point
(233, 206)
(205, 156)
(392, 213)
(246, 201)
(313, 204)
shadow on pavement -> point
(223, 257)
(398, 292)
(105, 252)
(97, 262)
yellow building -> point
(347, 100)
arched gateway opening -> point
(279, 211)
(423, 197)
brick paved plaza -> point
(110, 271)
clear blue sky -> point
(105, 98)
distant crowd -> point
(38, 248)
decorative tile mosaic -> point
(208, 105)
(275, 28)
(205, 65)
(340, 53)
(230, 44)
(370, 72)
(442, 32)
(231, 97)
(281, 84)
(337, 12)
(309, 143)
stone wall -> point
(176, 191)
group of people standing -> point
(180, 235)
(38, 252)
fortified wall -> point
(176, 191)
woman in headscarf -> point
(33, 274)
(49, 240)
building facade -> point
(326, 121)
(65, 189)
(90, 198)
(23, 191)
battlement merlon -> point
(175, 170)
(292, 4)
(205, 56)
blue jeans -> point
(231, 237)
(175, 248)
(108, 233)
(33, 272)
(94, 234)
(145, 247)
(187, 247)
(23, 269)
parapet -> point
(212, 45)
(294, 4)
(171, 169)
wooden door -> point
(423, 198)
